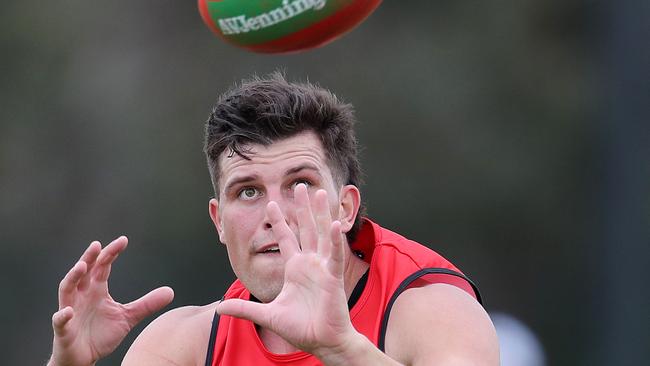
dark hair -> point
(269, 109)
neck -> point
(355, 267)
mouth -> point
(269, 249)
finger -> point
(323, 221)
(249, 310)
(336, 262)
(89, 257)
(281, 231)
(90, 254)
(102, 267)
(68, 286)
(149, 304)
(307, 230)
(60, 319)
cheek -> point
(239, 224)
(335, 206)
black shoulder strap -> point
(213, 339)
(405, 284)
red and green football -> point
(283, 26)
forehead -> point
(301, 149)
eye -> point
(249, 193)
(306, 182)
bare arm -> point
(89, 324)
(178, 337)
(441, 324)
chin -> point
(265, 287)
(266, 292)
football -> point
(283, 26)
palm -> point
(98, 329)
(90, 324)
(311, 306)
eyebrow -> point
(240, 180)
(250, 178)
(302, 167)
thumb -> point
(60, 319)
(148, 304)
(249, 310)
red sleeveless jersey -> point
(396, 264)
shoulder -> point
(177, 337)
(440, 324)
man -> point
(317, 282)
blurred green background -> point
(510, 136)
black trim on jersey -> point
(213, 339)
(405, 284)
(358, 289)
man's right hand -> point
(89, 324)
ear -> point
(349, 203)
(216, 219)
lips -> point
(268, 248)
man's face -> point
(245, 189)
